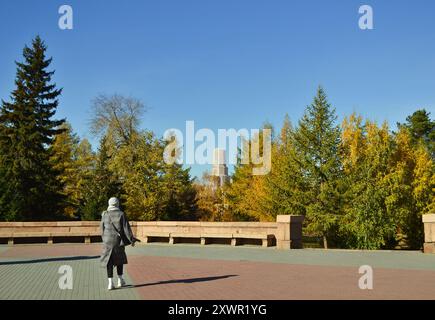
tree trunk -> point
(325, 242)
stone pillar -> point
(289, 233)
(429, 233)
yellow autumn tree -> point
(210, 199)
(74, 161)
(246, 194)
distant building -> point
(220, 169)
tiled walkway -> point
(32, 272)
(185, 272)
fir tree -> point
(421, 127)
(316, 143)
(27, 130)
(180, 195)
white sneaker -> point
(121, 282)
(111, 286)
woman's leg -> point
(110, 273)
(110, 268)
(121, 281)
(120, 269)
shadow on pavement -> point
(192, 280)
(4, 263)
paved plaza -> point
(186, 271)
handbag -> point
(123, 240)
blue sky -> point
(230, 63)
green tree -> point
(285, 181)
(421, 127)
(138, 164)
(27, 130)
(153, 190)
(316, 143)
(180, 195)
(102, 184)
(367, 151)
(390, 185)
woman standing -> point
(115, 232)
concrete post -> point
(265, 242)
(429, 233)
(289, 233)
(87, 239)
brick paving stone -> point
(185, 278)
(344, 258)
(184, 272)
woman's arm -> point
(102, 223)
(127, 229)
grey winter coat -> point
(111, 239)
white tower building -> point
(220, 169)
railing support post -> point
(429, 233)
(289, 233)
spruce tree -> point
(316, 143)
(421, 128)
(27, 130)
(180, 195)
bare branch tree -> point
(116, 116)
